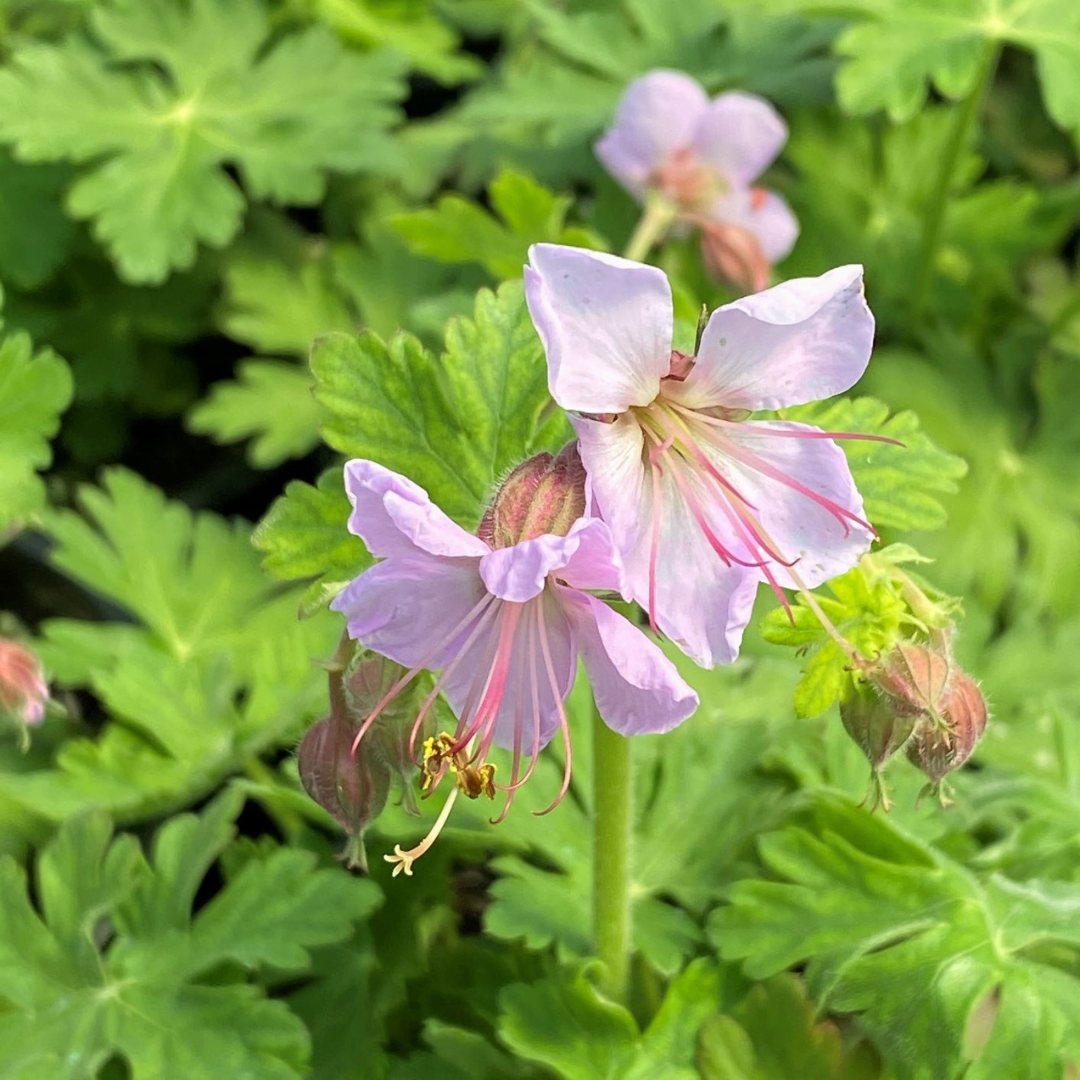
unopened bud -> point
(733, 255)
(543, 495)
(939, 747)
(913, 678)
(23, 691)
(876, 726)
(351, 788)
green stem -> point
(939, 201)
(612, 823)
(653, 223)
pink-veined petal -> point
(764, 214)
(612, 456)
(466, 682)
(637, 689)
(394, 516)
(586, 555)
(803, 340)
(799, 528)
(740, 135)
(657, 116)
(405, 606)
(605, 323)
(700, 603)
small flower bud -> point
(23, 691)
(876, 726)
(351, 788)
(938, 748)
(733, 255)
(543, 495)
(913, 678)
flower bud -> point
(351, 788)
(876, 726)
(733, 255)
(23, 691)
(938, 748)
(543, 495)
(913, 678)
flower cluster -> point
(698, 160)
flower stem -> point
(939, 200)
(612, 824)
(653, 223)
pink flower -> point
(702, 502)
(703, 156)
(504, 625)
(23, 690)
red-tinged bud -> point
(939, 747)
(351, 788)
(23, 690)
(876, 726)
(913, 678)
(544, 495)
(733, 256)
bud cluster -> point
(914, 696)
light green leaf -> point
(270, 402)
(899, 484)
(84, 997)
(911, 942)
(457, 230)
(178, 92)
(35, 388)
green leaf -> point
(452, 425)
(565, 1024)
(176, 93)
(913, 944)
(136, 993)
(899, 48)
(899, 484)
(35, 388)
(270, 402)
(457, 230)
(36, 235)
(875, 605)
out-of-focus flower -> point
(503, 619)
(702, 501)
(23, 690)
(701, 157)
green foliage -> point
(899, 484)
(456, 230)
(35, 388)
(165, 989)
(36, 236)
(940, 966)
(174, 92)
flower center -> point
(688, 182)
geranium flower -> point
(503, 619)
(703, 502)
(702, 157)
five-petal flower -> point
(702, 502)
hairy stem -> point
(939, 200)
(612, 824)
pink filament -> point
(563, 724)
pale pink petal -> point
(824, 543)
(700, 603)
(739, 135)
(657, 116)
(612, 456)
(465, 683)
(404, 607)
(637, 689)
(585, 556)
(605, 324)
(803, 340)
(394, 516)
(764, 214)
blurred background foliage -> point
(192, 191)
